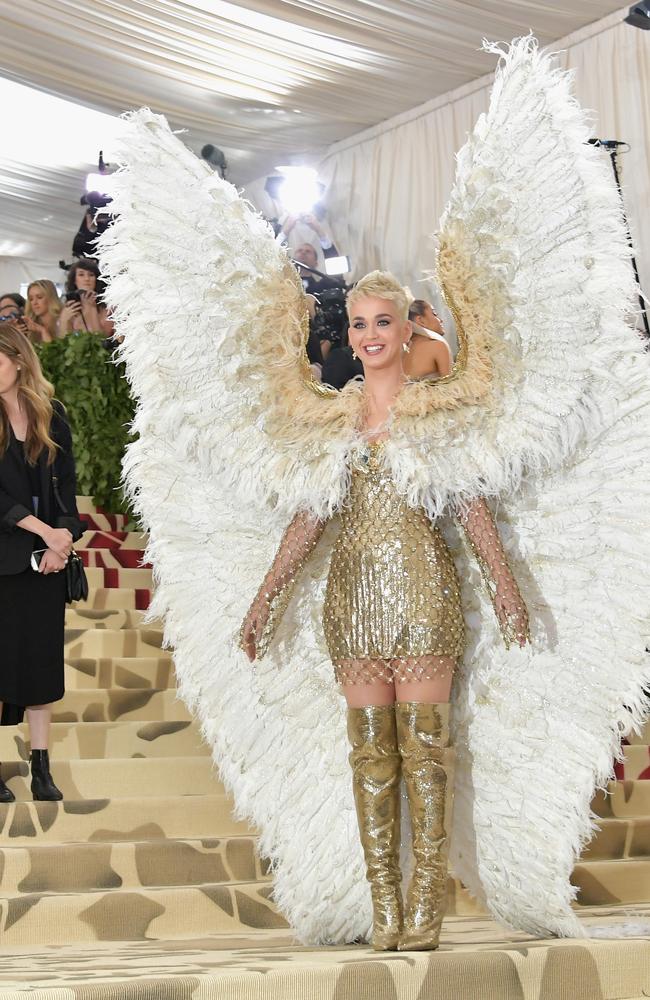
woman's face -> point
(430, 320)
(8, 373)
(85, 280)
(377, 333)
(37, 301)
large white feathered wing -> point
(551, 411)
(534, 247)
(190, 266)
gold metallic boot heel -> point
(428, 769)
(375, 764)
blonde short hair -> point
(380, 285)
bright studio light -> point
(102, 183)
(300, 190)
(337, 265)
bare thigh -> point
(359, 690)
(434, 688)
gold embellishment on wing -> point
(324, 391)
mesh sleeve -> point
(481, 532)
(298, 542)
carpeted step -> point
(608, 883)
(191, 816)
(132, 915)
(112, 540)
(140, 579)
(95, 705)
(620, 838)
(122, 778)
(113, 558)
(144, 641)
(120, 672)
(120, 598)
(59, 868)
(98, 520)
(79, 617)
(478, 960)
(623, 799)
(103, 740)
(643, 738)
(636, 766)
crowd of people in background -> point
(43, 316)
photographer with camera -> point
(84, 308)
(331, 318)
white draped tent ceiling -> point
(267, 81)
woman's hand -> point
(59, 541)
(253, 626)
(51, 563)
(34, 328)
(68, 315)
(512, 617)
(88, 298)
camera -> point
(74, 296)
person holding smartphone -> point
(84, 309)
(38, 523)
(12, 310)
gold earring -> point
(406, 348)
(354, 356)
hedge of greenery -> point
(96, 396)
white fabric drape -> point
(388, 186)
(265, 80)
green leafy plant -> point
(96, 396)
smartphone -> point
(35, 560)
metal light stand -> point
(612, 147)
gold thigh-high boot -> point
(375, 764)
(428, 769)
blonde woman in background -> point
(42, 311)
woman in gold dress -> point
(394, 629)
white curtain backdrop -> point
(16, 272)
(388, 185)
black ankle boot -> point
(43, 788)
(6, 794)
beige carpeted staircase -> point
(143, 858)
(144, 844)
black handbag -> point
(76, 581)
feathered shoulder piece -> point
(527, 246)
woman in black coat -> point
(38, 524)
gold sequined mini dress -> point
(392, 595)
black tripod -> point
(612, 147)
